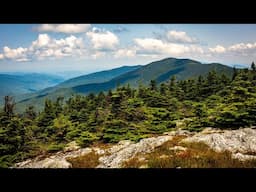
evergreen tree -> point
(153, 86)
(116, 100)
(46, 117)
(172, 84)
(30, 113)
(200, 110)
(163, 89)
(253, 66)
(235, 73)
(59, 105)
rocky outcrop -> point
(240, 143)
(51, 162)
(57, 160)
(126, 150)
(110, 158)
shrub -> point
(86, 138)
(90, 160)
(55, 147)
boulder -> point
(240, 142)
(128, 150)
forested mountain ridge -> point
(97, 77)
(65, 88)
(161, 71)
(215, 100)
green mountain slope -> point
(161, 71)
(65, 88)
(97, 77)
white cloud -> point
(239, 49)
(102, 40)
(1, 56)
(45, 46)
(98, 54)
(19, 54)
(218, 49)
(42, 41)
(156, 46)
(125, 53)
(179, 37)
(196, 49)
(242, 47)
(63, 28)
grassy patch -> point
(90, 160)
(55, 147)
(135, 162)
(196, 155)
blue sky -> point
(54, 48)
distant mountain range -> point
(161, 71)
(65, 88)
(21, 83)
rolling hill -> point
(65, 88)
(161, 71)
(26, 83)
(98, 77)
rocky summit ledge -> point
(116, 159)
(241, 143)
(110, 158)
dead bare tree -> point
(9, 105)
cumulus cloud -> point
(46, 47)
(241, 47)
(125, 53)
(42, 40)
(179, 37)
(102, 40)
(218, 49)
(63, 28)
(100, 43)
(156, 46)
(19, 54)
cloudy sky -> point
(94, 47)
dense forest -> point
(214, 100)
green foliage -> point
(61, 124)
(152, 85)
(86, 138)
(55, 147)
(30, 113)
(211, 100)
